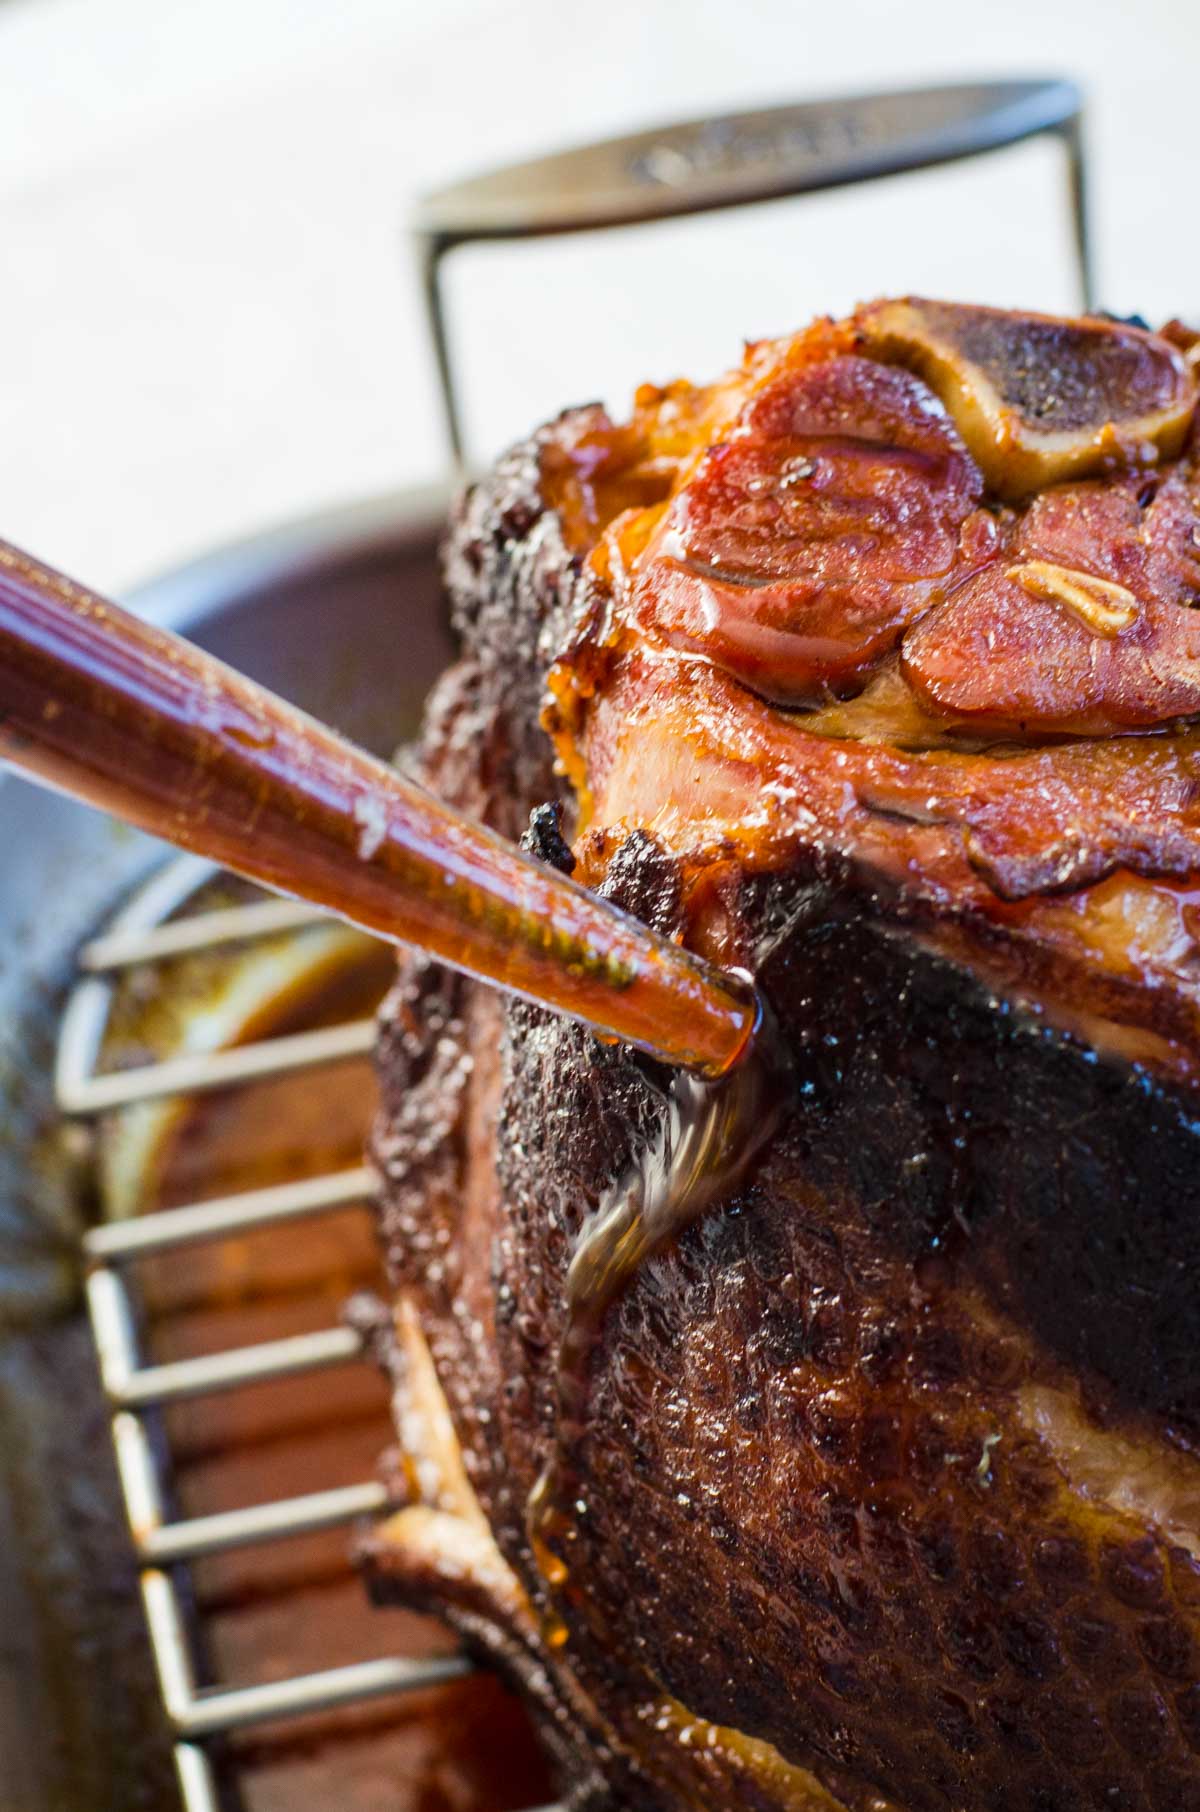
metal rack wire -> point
(146, 932)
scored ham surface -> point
(872, 669)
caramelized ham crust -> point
(832, 514)
(871, 669)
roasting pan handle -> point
(737, 159)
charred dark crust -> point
(544, 838)
(1048, 1175)
(943, 1151)
(514, 590)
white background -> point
(207, 319)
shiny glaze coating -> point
(827, 519)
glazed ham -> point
(804, 543)
(871, 669)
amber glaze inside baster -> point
(141, 723)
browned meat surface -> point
(1104, 579)
(887, 1496)
(803, 544)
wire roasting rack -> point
(144, 933)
